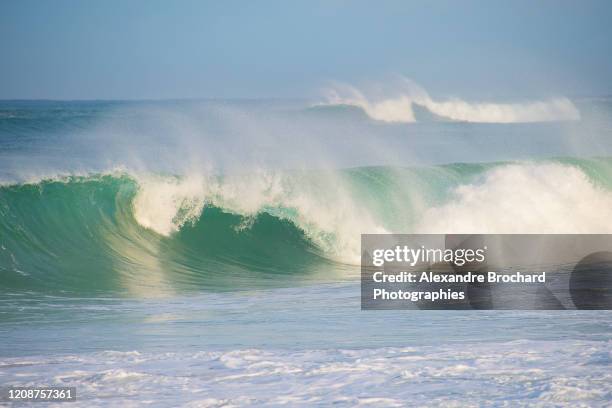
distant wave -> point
(139, 232)
(399, 106)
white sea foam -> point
(397, 106)
(538, 373)
(524, 198)
(164, 204)
(556, 109)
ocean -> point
(206, 252)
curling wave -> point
(148, 233)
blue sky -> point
(115, 49)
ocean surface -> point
(205, 252)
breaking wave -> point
(138, 232)
(402, 103)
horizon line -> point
(294, 98)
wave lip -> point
(399, 106)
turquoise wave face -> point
(80, 235)
(148, 235)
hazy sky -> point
(112, 49)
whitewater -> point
(139, 238)
(399, 105)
